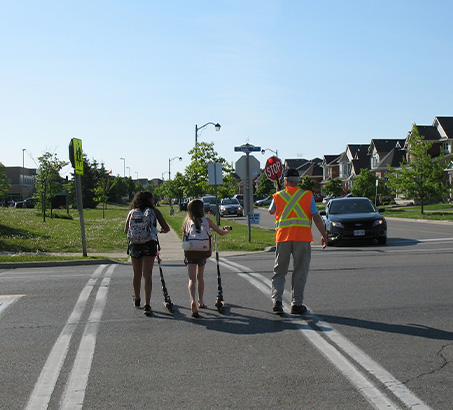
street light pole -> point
(170, 160)
(217, 128)
(23, 173)
(124, 167)
(271, 150)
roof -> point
(295, 162)
(394, 158)
(446, 123)
(383, 146)
(429, 132)
(330, 159)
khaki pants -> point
(301, 252)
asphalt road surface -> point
(379, 333)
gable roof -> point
(394, 158)
(295, 162)
(429, 132)
(384, 146)
(446, 124)
(330, 160)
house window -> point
(446, 147)
(375, 160)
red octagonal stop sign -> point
(274, 168)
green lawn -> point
(434, 212)
(25, 234)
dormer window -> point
(446, 147)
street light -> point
(129, 168)
(271, 150)
(124, 166)
(23, 172)
(217, 128)
(169, 162)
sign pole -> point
(76, 158)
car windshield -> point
(352, 206)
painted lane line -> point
(371, 366)
(45, 385)
(8, 300)
(75, 389)
(360, 381)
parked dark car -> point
(206, 202)
(227, 206)
(183, 204)
(354, 219)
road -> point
(378, 334)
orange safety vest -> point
(292, 215)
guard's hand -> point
(323, 242)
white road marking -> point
(45, 385)
(319, 339)
(74, 392)
(7, 300)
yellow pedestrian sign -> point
(76, 155)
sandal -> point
(196, 315)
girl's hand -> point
(228, 228)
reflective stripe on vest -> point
(292, 205)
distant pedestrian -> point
(141, 228)
(294, 211)
(195, 260)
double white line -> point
(74, 391)
(351, 361)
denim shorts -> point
(199, 262)
(137, 250)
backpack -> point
(197, 241)
(140, 226)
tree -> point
(334, 187)
(104, 185)
(266, 187)
(48, 180)
(4, 184)
(422, 178)
(365, 185)
(196, 173)
(307, 183)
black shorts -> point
(137, 250)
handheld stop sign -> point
(274, 168)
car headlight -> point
(378, 222)
(337, 224)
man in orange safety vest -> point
(294, 211)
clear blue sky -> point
(131, 79)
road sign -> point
(274, 168)
(241, 167)
(247, 148)
(76, 155)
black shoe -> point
(136, 302)
(298, 309)
(278, 307)
(147, 310)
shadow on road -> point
(411, 329)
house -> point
(379, 148)
(440, 134)
(314, 170)
(330, 168)
(22, 182)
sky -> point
(297, 77)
